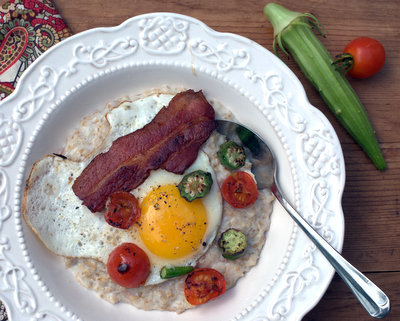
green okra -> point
(174, 271)
(195, 185)
(232, 243)
(231, 155)
(293, 34)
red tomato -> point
(239, 190)
(128, 265)
(203, 285)
(122, 210)
(368, 57)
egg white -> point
(133, 115)
(69, 229)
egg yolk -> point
(170, 226)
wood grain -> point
(371, 201)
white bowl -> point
(86, 71)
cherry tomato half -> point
(122, 210)
(203, 285)
(239, 189)
(128, 265)
(368, 57)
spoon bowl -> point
(265, 169)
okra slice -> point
(232, 243)
(195, 185)
(231, 155)
(168, 272)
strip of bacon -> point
(170, 141)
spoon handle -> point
(373, 299)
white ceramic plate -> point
(86, 71)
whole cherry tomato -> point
(128, 265)
(368, 57)
(239, 189)
(203, 285)
(122, 210)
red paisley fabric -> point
(27, 29)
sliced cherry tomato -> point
(368, 57)
(122, 210)
(128, 265)
(203, 285)
(239, 189)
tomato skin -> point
(128, 265)
(203, 285)
(239, 190)
(368, 57)
(122, 210)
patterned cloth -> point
(3, 312)
(27, 29)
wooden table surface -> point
(371, 200)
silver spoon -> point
(373, 299)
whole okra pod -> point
(293, 34)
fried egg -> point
(172, 231)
